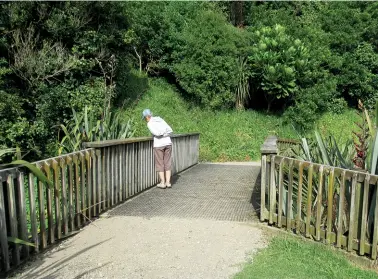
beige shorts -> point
(163, 158)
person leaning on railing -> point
(161, 132)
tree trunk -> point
(236, 13)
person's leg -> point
(167, 165)
(159, 163)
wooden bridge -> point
(115, 179)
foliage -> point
(277, 62)
(242, 89)
(89, 126)
(296, 59)
(54, 57)
(204, 56)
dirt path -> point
(159, 247)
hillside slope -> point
(225, 135)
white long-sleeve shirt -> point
(158, 128)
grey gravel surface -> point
(204, 227)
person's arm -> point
(154, 131)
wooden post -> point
(280, 192)
(289, 209)
(330, 205)
(21, 204)
(33, 214)
(352, 213)
(319, 203)
(63, 171)
(363, 222)
(309, 200)
(273, 191)
(57, 190)
(299, 199)
(375, 227)
(49, 206)
(340, 209)
(268, 149)
(3, 229)
(13, 218)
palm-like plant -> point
(92, 126)
(361, 154)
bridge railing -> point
(325, 203)
(85, 184)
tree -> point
(277, 62)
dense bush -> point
(297, 58)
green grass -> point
(225, 135)
(289, 257)
(340, 125)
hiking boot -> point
(161, 185)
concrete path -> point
(204, 227)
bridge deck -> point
(188, 231)
(208, 191)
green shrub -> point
(205, 56)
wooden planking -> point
(88, 186)
(351, 213)
(21, 204)
(82, 210)
(63, 171)
(344, 239)
(341, 209)
(331, 180)
(263, 187)
(272, 188)
(112, 175)
(135, 168)
(299, 198)
(42, 217)
(49, 204)
(77, 190)
(93, 164)
(108, 178)
(94, 172)
(71, 211)
(3, 229)
(120, 173)
(289, 209)
(99, 181)
(13, 218)
(364, 214)
(103, 180)
(375, 226)
(57, 191)
(319, 203)
(309, 199)
(123, 164)
(280, 192)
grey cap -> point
(146, 113)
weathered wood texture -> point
(85, 184)
(325, 203)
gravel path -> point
(137, 247)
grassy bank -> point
(294, 258)
(225, 135)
